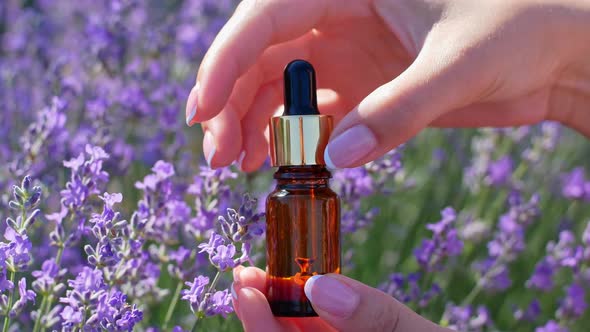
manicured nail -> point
(192, 111)
(190, 117)
(233, 292)
(208, 140)
(351, 146)
(236, 273)
(332, 296)
(241, 159)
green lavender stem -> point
(172, 306)
(47, 299)
(10, 299)
(23, 217)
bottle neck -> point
(313, 176)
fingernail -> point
(193, 110)
(233, 292)
(236, 273)
(350, 147)
(190, 117)
(331, 296)
(241, 159)
(234, 296)
(208, 140)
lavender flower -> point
(466, 318)
(197, 287)
(574, 184)
(508, 243)
(499, 171)
(574, 304)
(407, 289)
(26, 296)
(531, 313)
(108, 309)
(444, 242)
(551, 326)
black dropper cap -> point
(300, 89)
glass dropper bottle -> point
(302, 213)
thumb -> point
(348, 305)
(398, 110)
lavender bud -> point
(11, 223)
(31, 219)
(26, 183)
(14, 205)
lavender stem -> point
(46, 302)
(10, 299)
(172, 305)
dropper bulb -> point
(300, 89)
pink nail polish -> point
(350, 147)
(241, 160)
(192, 111)
(330, 295)
(208, 141)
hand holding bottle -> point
(342, 304)
(386, 69)
(392, 68)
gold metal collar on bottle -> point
(297, 140)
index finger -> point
(254, 27)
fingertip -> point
(309, 286)
(328, 160)
(253, 277)
(255, 311)
(234, 297)
(255, 151)
(208, 147)
(236, 273)
(191, 106)
(226, 139)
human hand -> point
(393, 67)
(342, 304)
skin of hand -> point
(389, 68)
(342, 304)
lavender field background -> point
(111, 220)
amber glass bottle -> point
(302, 236)
(302, 213)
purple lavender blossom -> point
(542, 277)
(551, 326)
(444, 242)
(26, 295)
(500, 171)
(573, 184)
(46, 278)
(194, 294)
(465, 318)
(574, 304)
(223, 258)
(89, 293)
(407, 289)
(219, 304)
(214, 241)
(508, 242)
(530, 314)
